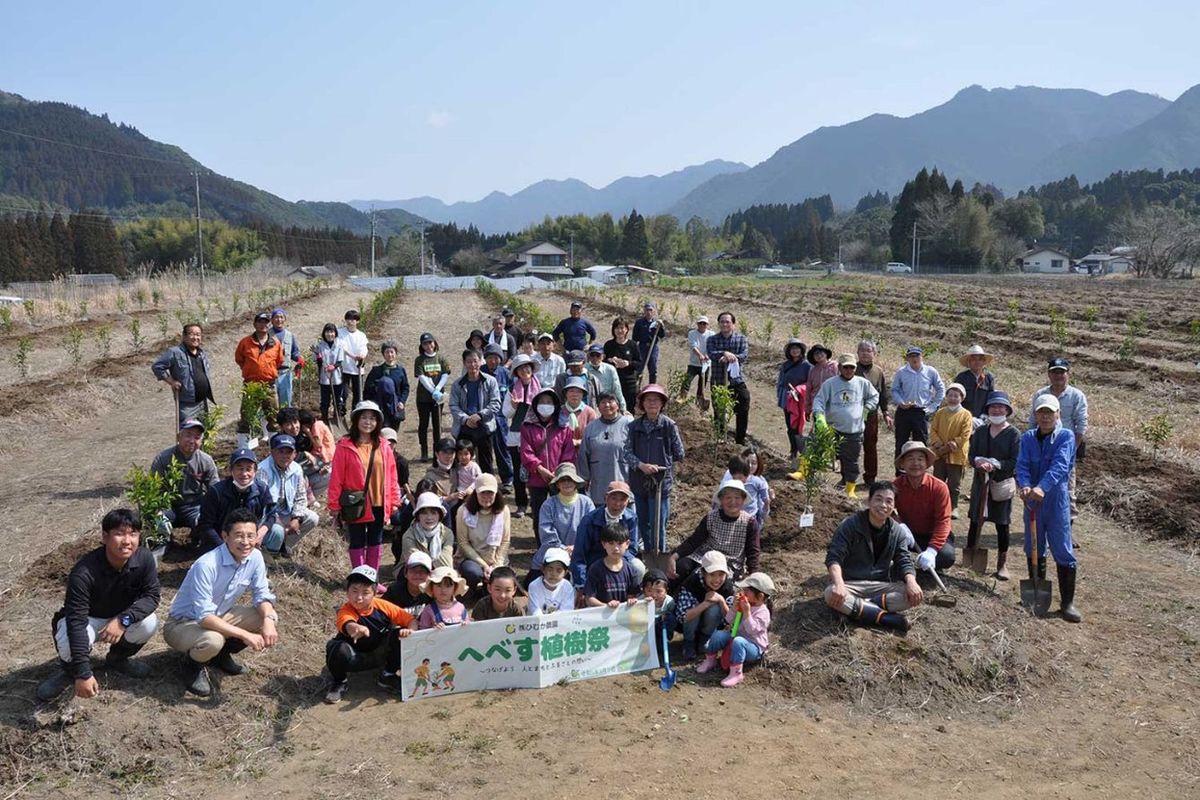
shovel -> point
(660, 537)
(1035, 594)
(668, 679)
(944, 598)
(977, 557)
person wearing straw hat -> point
(923, 504)
(917, 392)
(445, 586)
(428, 534)
(561, 515)
(843, 403)
(484, 531)
(728, 529)
(949, 437)
(977, 381)
(1073, 413)
(993, 457)
(652, 447)
(1043, 477)
(871, 574)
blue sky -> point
(335, 101)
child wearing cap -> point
(654, 589)
(445, 586)
(652, 446)
(751, 641)
(612, 580)
(428, 534)
(500, 600)
(406, 590)
(368, 633)
(704, 598)
(551, 591)
(950, 438)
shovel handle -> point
(938, 578)
(1033, 535)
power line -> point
(179, 164)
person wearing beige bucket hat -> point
(923, 504)
(949, 437)
(445, 586)
(977, 381)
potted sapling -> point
(153, 494)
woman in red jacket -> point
(546, 442)
(357, 452)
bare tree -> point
(1163, 239)
(1005, 249)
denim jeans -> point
(743, 649)
(283, 387)
(647, 520)
(702, 626)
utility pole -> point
(572, 264)
(199, 237)
(914, 248)
(372, 241)
(422, 251)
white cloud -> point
(438, 119)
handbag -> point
(354, 503)
(1003, 490)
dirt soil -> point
(978, 700)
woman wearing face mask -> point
(993, 453)
(949, 433)
(329, 354)
(516, 406)
(546, 442)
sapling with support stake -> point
(820, 451)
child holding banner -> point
(445, 586)
(751, 609)
(654, 589)
(612, 580)
(502, 588)
(369, 630)
(552, 591)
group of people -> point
(586, 449)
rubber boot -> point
(1066, 590)
(1001, 568)
(195, 677)
(358, 556)
(850, 487)
(58, 682)
(800, 474)
(734, 677)
(709, 663)
(119, 658)
(224, 659)
(874, 615)
(374, 556)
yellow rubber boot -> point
(850, 487)
(801, 472)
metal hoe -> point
(977, 557)
(1036, 593)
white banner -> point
(528, 652)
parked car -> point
(897, 266)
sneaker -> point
(518, 513)
(335, 691)
(55, 685)
(389, 681)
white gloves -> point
(927, 559)
(977, 423)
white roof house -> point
(1046, 259)
(607, 273)
(1105, 264)
(541, 259)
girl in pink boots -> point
(750, 617)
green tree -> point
(634, 244)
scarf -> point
(520, 393)
(495, 533)
(432, 540)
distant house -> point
(1046, 260)
(607, 274)
(94, 279)
(311, 272)
(1105, 264)
(539, 259)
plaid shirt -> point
(734, 343)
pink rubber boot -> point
(709, 663)
(358, 557)
(734, 678)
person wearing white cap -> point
(750, 645)
(698, 361)
(1043, 473)
(369, 629)
(551, 591)
(704, 597)
(364, 489)
(405, 591)
(728, 529)
(917, 391)
(1073, 413)
(950, 438)
(428, 534)
(843, 402)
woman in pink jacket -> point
(546, 442)
(357, 452)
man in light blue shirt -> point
(205, 624)
(285, 478)
(917, 392)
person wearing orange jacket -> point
(260, 357)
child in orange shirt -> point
(369, 633)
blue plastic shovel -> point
(668, 679)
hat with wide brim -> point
(999, 398)
(365, 405)
(819, 348)
(475, 334)
(523, 360)
(912, 447)
(652, 388)
(976, 350)
(758, 580)
(576, 382)
(795, 343)
(440, 574)
(429, 500)
(567, 470)
(735, 484)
